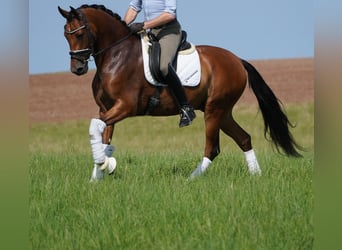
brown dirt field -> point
(63, 96)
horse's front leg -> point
(101, 132)
(118, 112)
(107, 134)
(212, 145)
(102, 152)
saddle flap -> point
(154, 54)
(188, 70)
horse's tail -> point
(275, 120)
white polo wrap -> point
(95, 135)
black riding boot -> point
(187, 112)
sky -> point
(253, 30)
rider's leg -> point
(169, 43)
(186, 110)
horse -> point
(120, 89)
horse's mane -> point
(103, 8)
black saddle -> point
(154, 54)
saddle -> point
(154, 54)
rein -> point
(77, 54)
(112, 45)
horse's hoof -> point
(196, 173)
(111, 165)
(97, 174)
(253, 168)
(256, 172)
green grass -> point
(150, 204)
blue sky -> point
(264, 29)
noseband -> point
(84, 54)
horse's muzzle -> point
(79, 61)
(78, 67)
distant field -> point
(149, 203)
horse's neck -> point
(121, 48)
(110, 33)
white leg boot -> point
(110, 165)
(109, 150)
(95, 134)
(201, 168)
(97, 174)
(98, 170)
(252, 163)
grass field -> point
(149, 203)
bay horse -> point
(121, 90)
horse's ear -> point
(64, 13)
(74, 12)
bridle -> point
(83, 55)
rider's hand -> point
(136, 27)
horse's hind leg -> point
(230, 127)
(212, 138)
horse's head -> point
(79, 37)
(92, 30)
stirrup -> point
(187, 115)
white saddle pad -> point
(188, 65)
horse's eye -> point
(79, 36)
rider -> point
(160, 19)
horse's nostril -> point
(80, 70)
